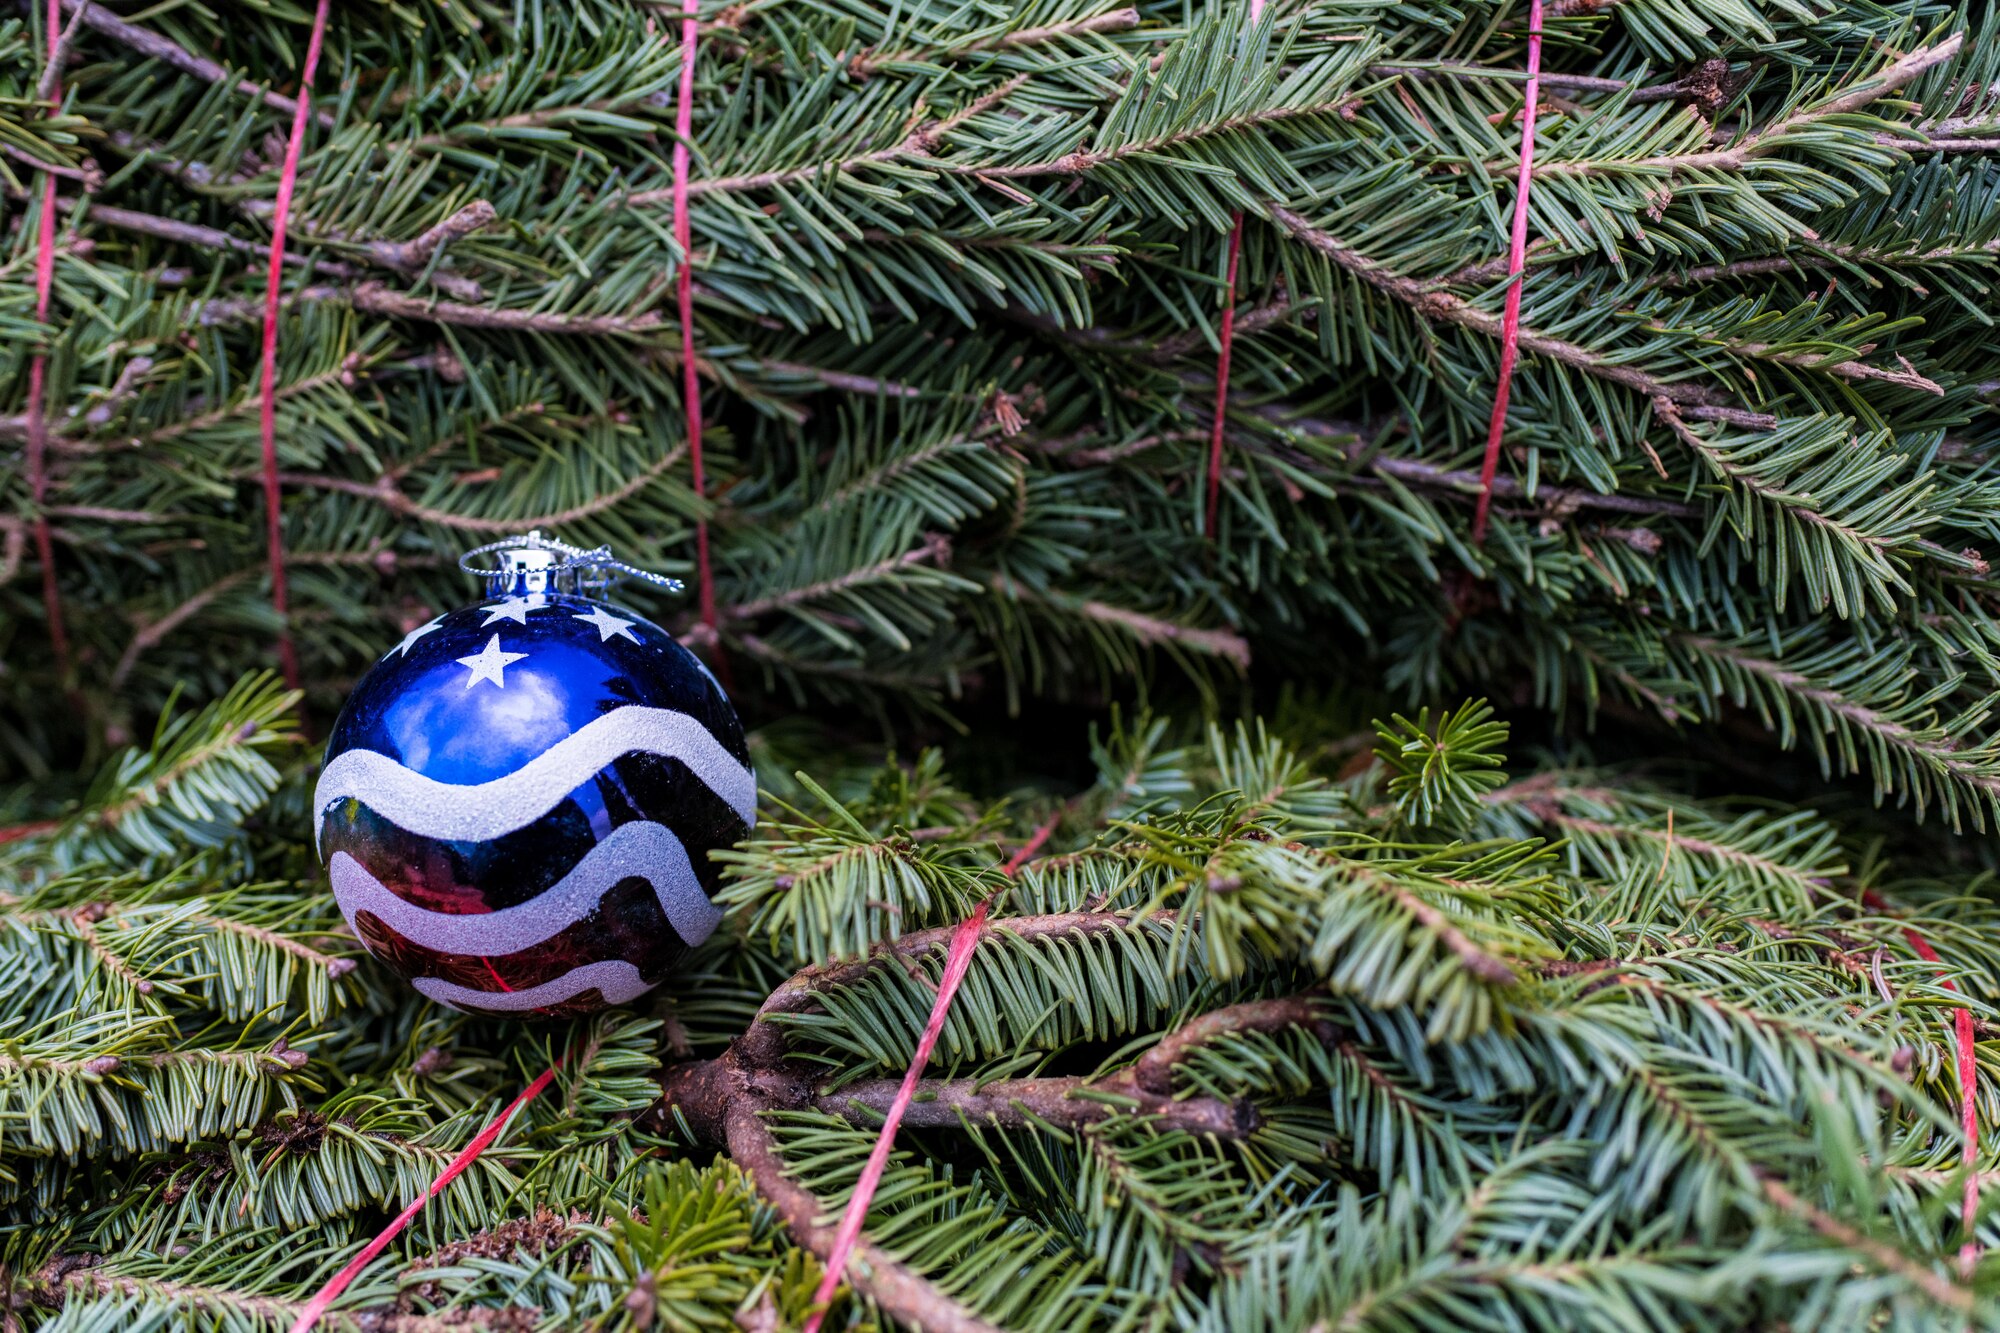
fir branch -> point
(1932, 748)
(217, 1302)
(1885, 1257)
(933, 550)
(384, 491)
(919, 143)
(1771, 138)
(334, 968)
(1694, 400)
(155, 47)
(867, 62)
(1084, 161)
(1071, 1103)
(763, 1046)
(901, 1293)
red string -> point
(957, 959)
(684, 290)
(38, 427)
(328, 1294)
(1968, 1087)
(20, 832)
(1226, 341)
(1222, 378)
(1517, 261)
(267, 418)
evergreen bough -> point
(1295, 1024)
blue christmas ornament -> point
(519, 799)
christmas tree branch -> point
(919, 143)
(153, 46)
(901, 1292)
(1071, 1103)
(1771, 138)
(384, 491)
(868, 62)
(933, 549)
(1886, 1257)
(1933, 748)
(1695, 400)
(1819, 254)
(1083, 161)
(217, 1303)
(763, 1046)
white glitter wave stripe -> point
(614, 978)
(646, 850)
(486, 810)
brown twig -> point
(1272, 314)
(1817, 253)
(48, 88)
(407, 258)
(149, 43)
(1757, 143)
(376, 299)
(949, 1103)
(1154, 1070)
(1830, 363)
(150, 634)
(1150, 630)
(1884, 1256)
(901, 1292)
(384, 491)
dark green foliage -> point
(956, 279)
(1560, 1042)
(1666, 1071)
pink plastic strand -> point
(957, 959)
(1968, 1089)
(267, 408)
(38, 368)
(1517, 262)
(684, 290)
(1226, 341)
(328, 1294)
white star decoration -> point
(608, 625)
(514, 608)
(410, 640)
(489, 663)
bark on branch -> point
(948, 1103)
(149, 43)
(725, 1100)
(903, 1294)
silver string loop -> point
(533, 563)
